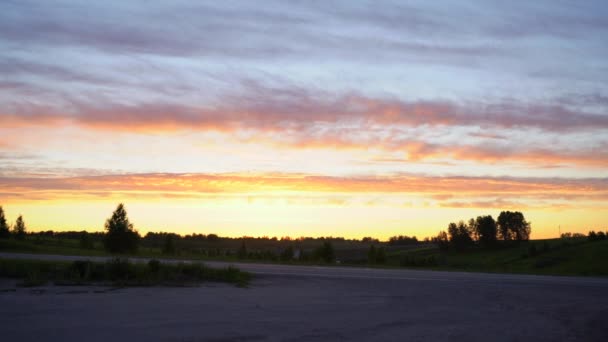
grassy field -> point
(554, 256)
(571, 256)
(117, 272)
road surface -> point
(307, 303)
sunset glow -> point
(304, 119)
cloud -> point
(279, 183)
(297, 118)
(260, 108)
(493, 204)
(244, 32)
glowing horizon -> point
(303, 119)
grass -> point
(118, 272)
(48, 246)
(551, 257)
(574, 256)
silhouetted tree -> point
(19, 228)
(120, 236)
(369, 239)
(442, 241)
(4, 230)
(485, 230)
(513, 226)
(460, 236)
(592, 236)
(402, 240)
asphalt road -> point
(306, 303)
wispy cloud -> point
(439, 188)
(261, 107)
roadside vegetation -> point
(117, 272)
(480, 244)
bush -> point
(82, 269)
(418, 261)
(119, 269)
(34, 278)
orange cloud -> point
(441, 188)
(273, 109)
(300, 119)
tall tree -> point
(485, 230)
(460, 235)
(19, 228)
(120, 236)
(442, 240)
(4, 229)
(513, 226)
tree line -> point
(119, 236)
(484, 231)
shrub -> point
(119, 269)
(82, 269)
(418, 261)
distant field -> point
(553, 256)
(573, 256)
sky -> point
(304, 118)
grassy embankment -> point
(551, 257)
(117, 272)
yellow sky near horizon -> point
(281, 217)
